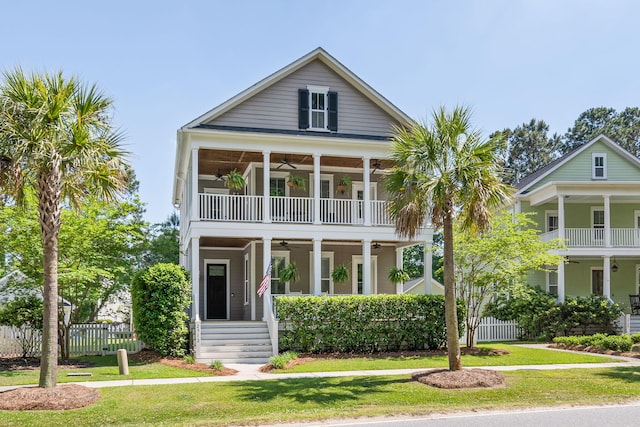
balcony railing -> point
(240, 208)
(596, 238)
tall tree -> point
(529, 148)
(56, 140)
(622, 127)
(443, 171)
(163, 242)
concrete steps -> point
(235, 342)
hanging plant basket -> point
(398, 275)
(298, 182)
(289, 273)
(235, 181)
(340, 274)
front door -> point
(597, 281)
(216, 291)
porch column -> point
(607, 222)
(266, 183)
(428, 266)
(561, 219)
(606, 286)
(316, 189)
(517, 208)
(266, 260)
(561, 281)
(195, 210)
(366, 178)
(195, 278)
(399, 252)
(366, 267)
(317, 266)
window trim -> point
(595, 156)
(247, 275)
(324, 90)
(359, 259)
(287, 259)
(550, 214)
(324, 254)
(548, 282)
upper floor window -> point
(317, 109)
(599, 162)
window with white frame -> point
(552, 220)
(597, 222)
(552, 281)
(326, 267)
(318, 107)
(279, 260)
(599, 162)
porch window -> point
(552, 221)
(326, 267)
(597, 223)
(597, 281)
(247, 291)
(357, 284)
(279, 260)
(599, 162)
(552, 282)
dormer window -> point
(318, 109)
(599, 162)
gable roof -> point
(531, 179)
(316, 54)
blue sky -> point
(165, 63)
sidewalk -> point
(248, 372)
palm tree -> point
(441, 172)
(57, 142)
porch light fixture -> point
(614, 266)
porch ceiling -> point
(223, 242)
(210, 161)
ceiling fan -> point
(285, 162)
(219, 176)
(376, 245)
(376, 166)
(284, 243)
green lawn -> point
(518, 356)
(295, 400)
(105, 369)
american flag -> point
(266, 279)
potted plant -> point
(298, 182)
(344, 184)
(235, 180)
(340, 274)
(289, 273)
(398, 275)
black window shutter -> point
(303, 109)
(333, 111)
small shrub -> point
(601, 341)
(216, 365)
(635, 338)
(189, 359)
(281, 360)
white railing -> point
(625, 237)
(225, 207)
(491, 329)
(292, 209)
(380, 213)
(584, 237)
(92, 339)
(245, 208)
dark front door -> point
(216, 291)
(597, 282)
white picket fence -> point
(91, 339)
(491, 329)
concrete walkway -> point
(250, 372)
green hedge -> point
(161, 295)
(363, 323)
(601, 341)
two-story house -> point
(589, 198)
(311, 142)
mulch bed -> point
(464, 378)
(31, 363)
(150, 356)
(68, 396)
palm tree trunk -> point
(450, 308)
(49, 196)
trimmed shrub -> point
(541, 317)
(361, 323)
(600, 341)
(160, 295)
(635, 338)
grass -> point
(518, 356)
(305, 399)
(105, 369)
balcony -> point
(596, 238)
(294, 210)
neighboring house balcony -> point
(298, 210)
(596, 237)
